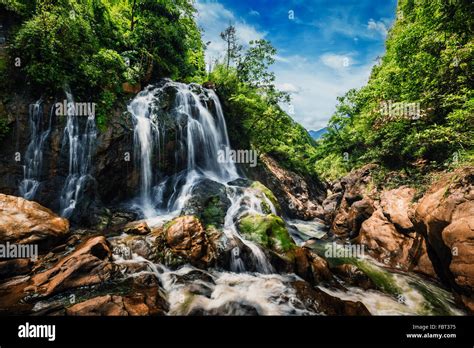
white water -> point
(34, 153)
(204, 134)
(81, 145)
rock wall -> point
(433, 236)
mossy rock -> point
(209, 202)
(269, 194)
(269, 231)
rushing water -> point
(200, 134)
(201, 137)
(81, 143)
(34, 153)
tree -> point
(233, 47)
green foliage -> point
(94, 46)
(429, 60)
(255, 120)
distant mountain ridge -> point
(317, 134)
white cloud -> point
(337, 62)
(213, 18)
(377, 26)
(288, 87)
(318, 87)
(254, 13)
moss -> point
(213, 214)
(269, 231)
(433, 305)
(382, 279)
(269, 194)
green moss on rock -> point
(269, 231)
(269, 194)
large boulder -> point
(269, 231)
(141, 303)
(23, 221)
(351, 203)
(87, 265)
(445, 215)
(184, 240)
(396, 205)
(385, 243)
(209, 202)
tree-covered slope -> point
(97, 46)
(417, 108)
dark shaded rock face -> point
(300, 197)
(209, 202)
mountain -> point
(317, 134)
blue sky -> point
(325, 47)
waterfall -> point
(34, 153)
(81, 146)
(204, 133)
(202, 136)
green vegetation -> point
(95, 46)
(269, 231)
(429, 60)
(252, 105)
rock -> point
(87, 265)
(351, 204)
(141, 303)
(311, 267)
(27, 222)
(384, 242)
(396, 205)
(209, 202)
(14, 267)
(323, 303)
(268, 231)
(136, 227)
(445, 215)
(184, 240)
(353, 276)
(299, 197)
(359, 211)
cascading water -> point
(34, 153)
(204, 134)
(81, 147)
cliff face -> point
(433, 235)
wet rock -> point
(209, 202)
(353, 276)
(136, 227)
(268, 231)
(14, 267)
(87, 265)
(299, 197)
(184, 240)
(321, 302)
(27, 222)
(141, 303)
